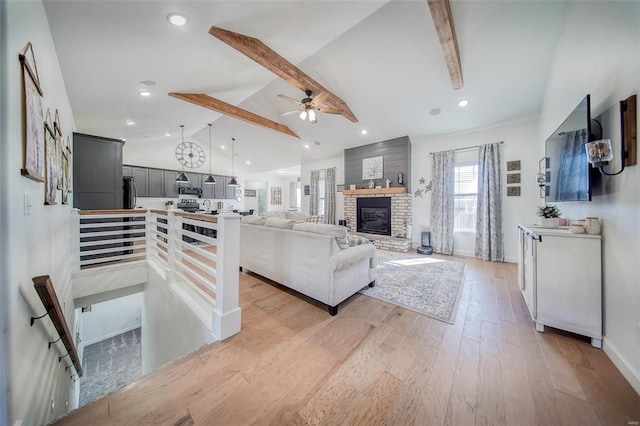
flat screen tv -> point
(567, 169)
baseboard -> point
(511, 259)
(464, 253)
(621, 363)
(110, 335)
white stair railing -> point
(196, 254)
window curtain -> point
(442, 202)
(489, 238)
(313, 192)
(293, 195)
(330, 196)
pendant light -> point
(233, 181)
(210, 180)
(182, 176)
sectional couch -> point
(313, 259)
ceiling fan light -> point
(233, 182)
(210, 180)
(312, 116)
(182, 178)
(303, 115)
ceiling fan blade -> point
(286, 98)
(328, 110)
(295, 111)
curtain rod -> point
(469, 147)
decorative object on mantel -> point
(388, 181)
(372, 167)
(427, 187)
(513, 166)
(592, 225)
(549, 215)
(34, 132)
(400, 178)
(372, 184)
(352, 187)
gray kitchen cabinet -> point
(221, 184)
(230, 191)
(209, 191)
(170, 184)
(141, 180)
(97, 172)
(195, 180)
(126, 171)
(155, 187)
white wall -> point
(4, 218)
(599, 53)
(521, 142)
(39, 243)
(170, 329)
(338, 163)
(110, 318)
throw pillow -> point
(253, 220)
(316, 219)
(339, 232)
(299, 216)
(274, 222)
(357, 240)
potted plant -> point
(549, 215)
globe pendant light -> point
(182, 176)
(210, 180)
(233, 181)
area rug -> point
(424, 284)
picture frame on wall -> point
(340, 187)
(513, 166)
(51, 183)
(372, 168)
(513, 178)
(34, 133)
(306, 190)
(276, 196)
(57, 129)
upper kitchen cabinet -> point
(170, 184)
(155, 183)
(221, 184)
(195, 180)
(141, 180)
(230, 191)
(97, 172)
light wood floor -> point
(376, 363)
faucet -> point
(207, 203)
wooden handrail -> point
(198, 216)
(44, 288)
(105, 212)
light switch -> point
(27, 204)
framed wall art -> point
(513, 178)
(276, 196)
(513, 166)
(306, 190)
(340, 187)
(513, 191)
(51, 169)
(57, 129)
(372, 168)
(34, 132)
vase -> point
(549, 222)
(592, 225)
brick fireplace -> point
(400, 216)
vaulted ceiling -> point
(383, 58)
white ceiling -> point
(383, 58)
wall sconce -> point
(600, 152)
(541, 177)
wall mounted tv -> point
(567, 170)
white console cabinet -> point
(560, 277)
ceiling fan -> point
(308, 106)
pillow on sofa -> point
(357, 240)
(253, 220)
(274, 222)
(299, 216)
(316, 219)
(279, 215)
(337, 231)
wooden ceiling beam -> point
(271, 60)
(443, 21)
(222, 107)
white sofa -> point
(307, 258)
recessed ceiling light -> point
(167, 134)
(177, 19)
(148, 83)
(281, 171)
(463, 103)
(144, 93)
(363, 131)
(306, 145)
(248, 162)
(317, 143)
(130, 122)
(222, 147)
(435, 111)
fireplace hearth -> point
(374, 215)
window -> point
(465, 198)
(321, 182)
